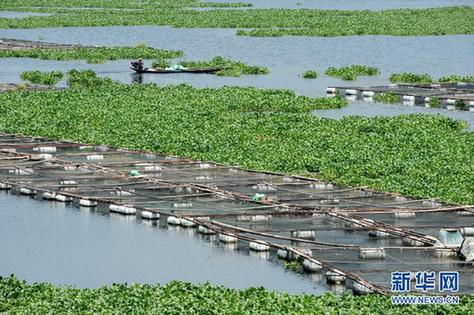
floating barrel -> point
(368, 93)
(153, 168)
(27, 191)
(45, 149)
(320, 186)
(360, 289)
(450, 107)
(450, 101)
(203, 177)
(411, 242)
(377, 233)
(5, 186)
(311, 266)
(243, 218)
(68, 182)
(260, 218)
(404, 214)
(40, 157)
(205, 165)
(471, 107)
(87, 203)
(172, 220)
(350, 92)
(467, 231)
(371, 253)
(393, 86)
(49, 195)
(149, 215)
(467, 249)
(334, 277)
(204, 230)
(95, 157)
(122, 209)
(465, 213)
(284, 254)
(70, 167)
(182, 204)
(85, 147)
(26, 171)
(309, 234)
(63, 198)
(263, 187)
(445, 253)
(186, 223)
(101, 148)
(410, 98)
(259, 247)
(400, 198)
(431, 203)
(228, 238)
(331, 90)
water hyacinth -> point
(351, 72)
(92, 54)
(310, 74)
(230, 67)
(264, 22)
(387, 97)
(407, 77)
(40, 77)
(19, 297)
(257, 129)
(456, 78)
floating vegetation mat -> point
(451, 96)
(350, 237)
(259, 22)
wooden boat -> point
(192, 70)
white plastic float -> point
(122, 209)
(63, 198)
(260, 218)
(350, 92)
(259, 247)
(404, 214)
(227, 238)
(45, 149)
(204, 230)
(149, 215)
(49, 195)
(311, 266)
(5, 186)
(368, 93)
(372, 253)
(95, 157)
(360, 289)
(186, 223)
(331, 90)
(172, 220)
(308, 234)
(27, 191)
(334, 277)
(87, 203)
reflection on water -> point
(58, 243)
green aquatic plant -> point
(40, 77)
(85, 78)
(293, 265)
(230, 67)
(257, 129)
(351, 72)
(407, 77)
(456, 78)
(176, 297)
(434, 102)
(310, 74)
(460, 104)
(387, 97)
(92, 54)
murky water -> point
(286, 57)
(48, 241)
(351, 4)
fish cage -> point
(447, 95)
(345, 236)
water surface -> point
(49, 241)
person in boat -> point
(138, 64)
